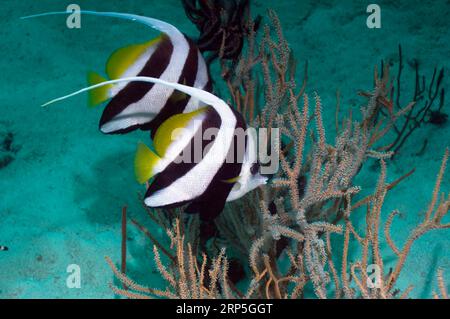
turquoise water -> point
(65, 182)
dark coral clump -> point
(437, 118)
(223, 25)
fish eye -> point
(254, 169)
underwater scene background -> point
(63, 183)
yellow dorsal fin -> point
(100, 94)
(166, 132)
(121, 59)
(144, 163)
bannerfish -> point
(172, 57)
(205, 184)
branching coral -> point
(370, 243)
(310, 257)
(441, 284)
(283, 233)
(428, 103)
(186, 278)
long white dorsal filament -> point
(153, 23)
(218, 104)
(202, 95)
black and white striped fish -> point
(171, 57)
(205, 184)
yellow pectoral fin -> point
(100, 94)
(231, 180)
(144, 163)
(121, 59)
(167, 131)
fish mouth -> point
(262, 180)
(268, 178)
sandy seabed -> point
(64, 183)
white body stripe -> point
(180, 143)
(248, 181)
(201, 80)
(195, 182)
(154, 100)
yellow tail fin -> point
(100, 94)
(144, 163)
